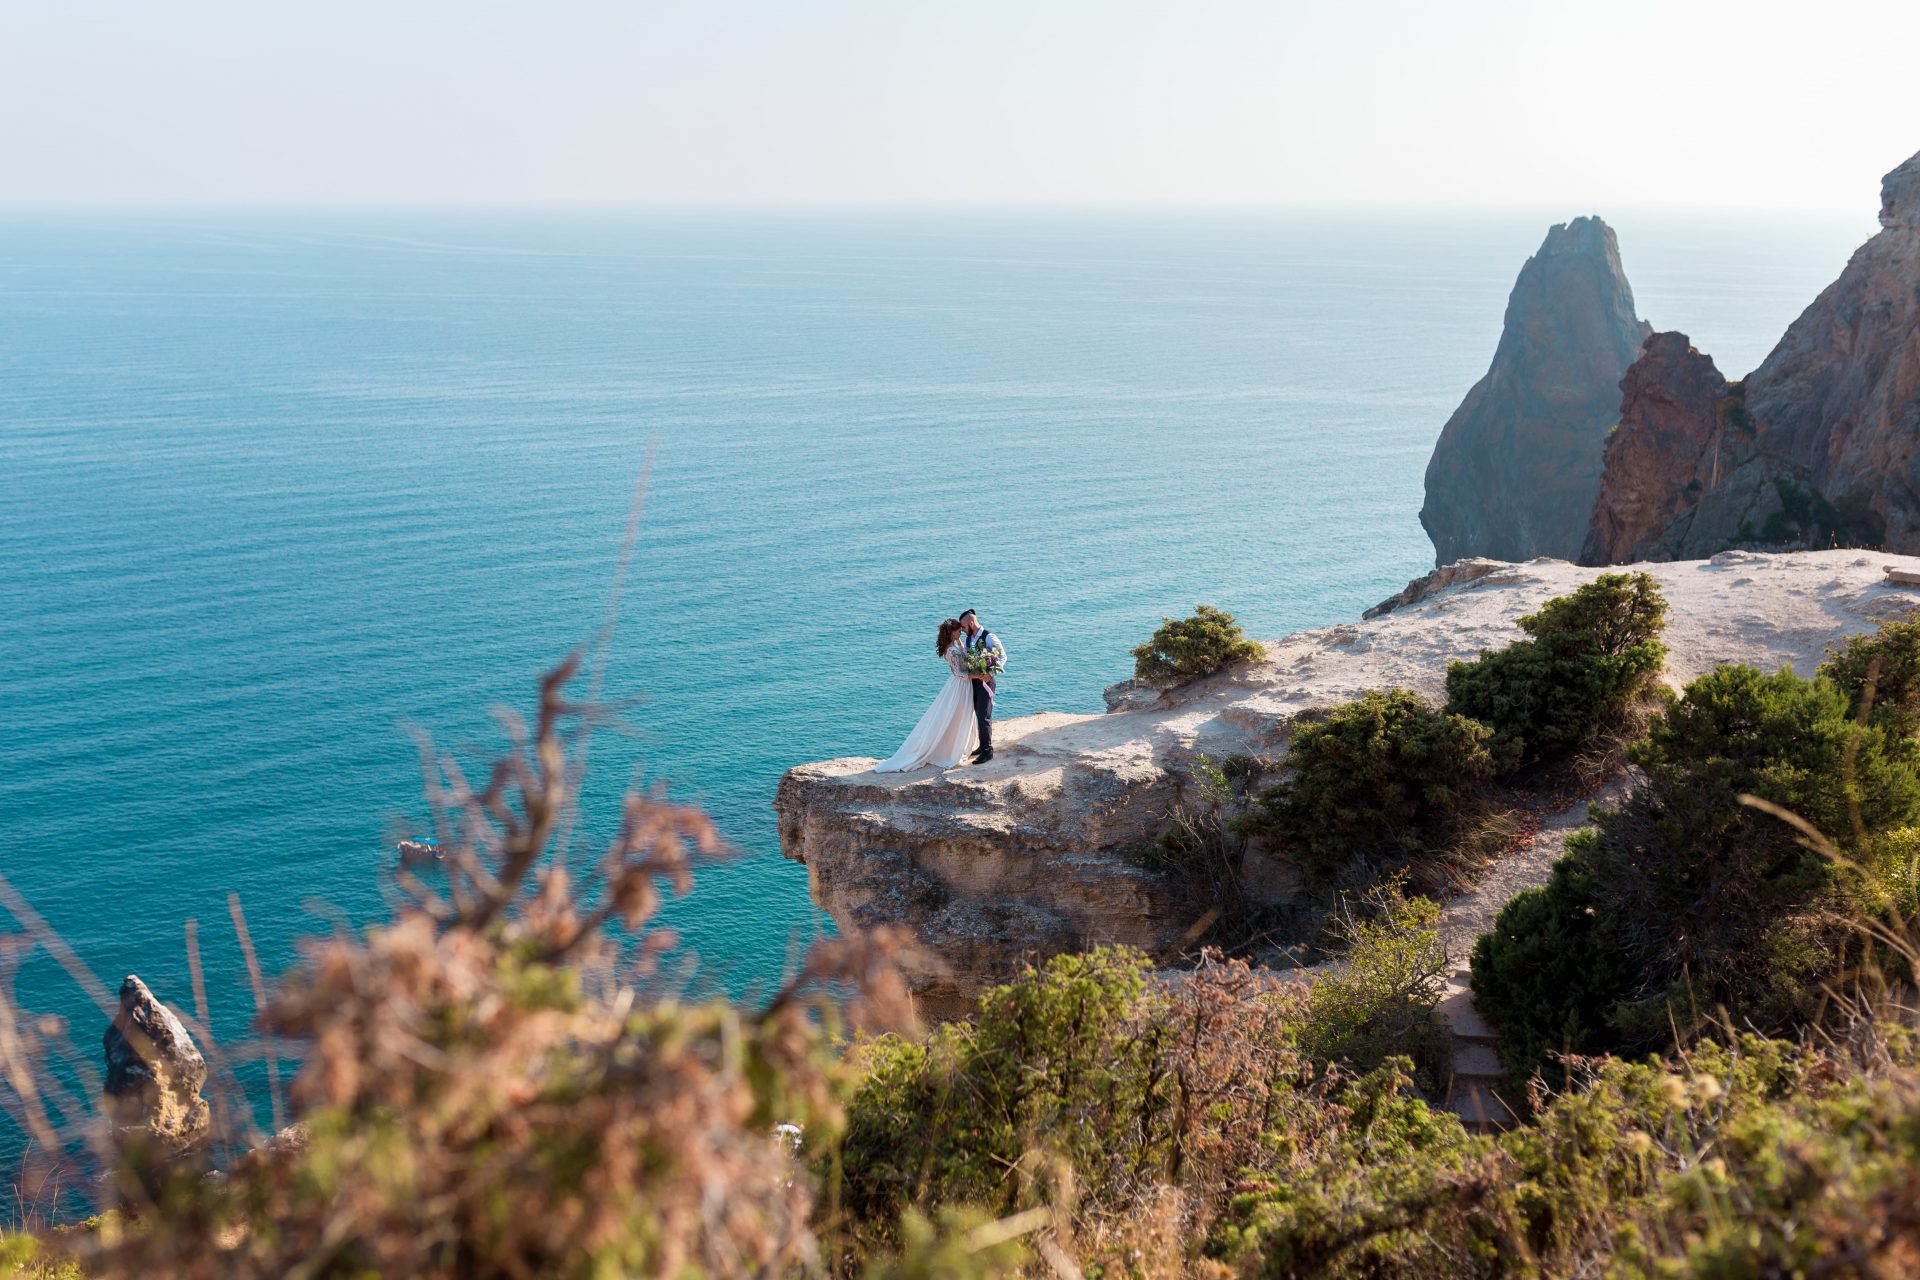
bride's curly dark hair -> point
(945, 636)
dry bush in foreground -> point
(488, 1087)
(1129, 1105)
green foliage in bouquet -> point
(1187, 648)
(1588, 655)
(987, 660)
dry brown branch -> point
(497, 1042)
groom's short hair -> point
(968, 613)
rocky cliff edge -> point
(1037, 853)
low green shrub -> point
(1364, 1206)
(1375, 785)
(1895, 877)
(1586, 658)
(1200, 836)
(23, 1258)
(1686, 898)
(1545, 974)
(1760, 1159)
(1388, 782)
(1379, 1001)
(1083, 1073)
(1880, 674)
(955, 1244)
(946, 1120)
(1723, 884)
(1202, 852)
(1188, 648)
(1807, 518)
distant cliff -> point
(1517, 466)
(1819, 445)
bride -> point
(946, 734)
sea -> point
(285, 492)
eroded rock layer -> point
(1676, 412)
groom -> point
(978, 637)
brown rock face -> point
(1666, 451)
(1829, 447)
(1840, 396)
(1517, 465)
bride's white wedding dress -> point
(946, 735)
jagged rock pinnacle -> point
(1517, 465)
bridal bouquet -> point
(989, 660)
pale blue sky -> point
(1754, 102)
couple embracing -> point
(959, 724)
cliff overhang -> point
(1040, 851)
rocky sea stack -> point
(1819, 446)
(154, 1076)
(1517, 466)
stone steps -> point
(1456, 1006)
(1479, 1081)
(1480, 1107)
(1477, 1062)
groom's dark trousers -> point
(983, 711)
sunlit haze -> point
(1709, 102)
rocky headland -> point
(1517, 465)
(1593, 438)
(1039, 852)
(1819, 445)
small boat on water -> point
(422, 848)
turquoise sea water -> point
(273, 484)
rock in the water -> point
(1517, 466)
(1827, 446)
(154, 1074)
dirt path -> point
(1470, 914)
